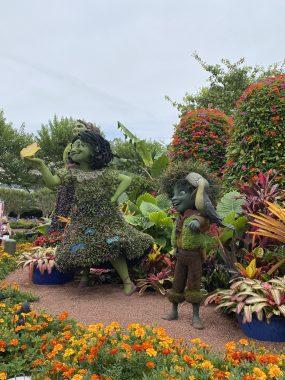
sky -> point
(115, 60)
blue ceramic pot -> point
(274, 331)
(54, 278)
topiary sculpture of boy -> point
(189, 239)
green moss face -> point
(182, 199)
(80, 152)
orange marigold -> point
(62, 316)
(14, 342)
(150, 364)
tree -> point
(227, 81)
(45, 201)
(16, 200)
(53, 138)
(13, 170)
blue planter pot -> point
(54, 278)
(274, 331)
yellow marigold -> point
(230, 346)
(178, 368)
(132, 326)
(77, 377)
(274, 371)
(191, 377)
(196, 341)
(3, 375)
(243, 342)
(151, 352)
(259, 373)
(82, 371)
(140, 332)
(68, 352)
(206, 364)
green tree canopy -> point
(13, 170)
(227, 81)
(44, 200)
(16, 200)
(53, 137)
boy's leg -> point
(193, 293)
(176, 294)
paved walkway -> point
(107, 303)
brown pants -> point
(187, 273)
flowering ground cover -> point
(58, 347)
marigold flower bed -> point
(60, 348)
(50, 347)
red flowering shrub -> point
(202, 134)
(51, 240)
(257, 141)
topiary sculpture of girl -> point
(65, 192)
(97, 232)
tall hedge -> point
(202, 135)
(257, 142)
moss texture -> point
(98, 231)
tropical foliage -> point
(150, 214)
(252, 296)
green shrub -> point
(202, 134)
(257, 142)
(140, 185)
(23, 224)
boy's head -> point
(183, 196)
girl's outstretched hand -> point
(36, 162)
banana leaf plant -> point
(152, 163)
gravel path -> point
(107, 303)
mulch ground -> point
(107, 303)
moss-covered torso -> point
(189, 240)
(97, 231)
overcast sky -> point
(109, 60)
